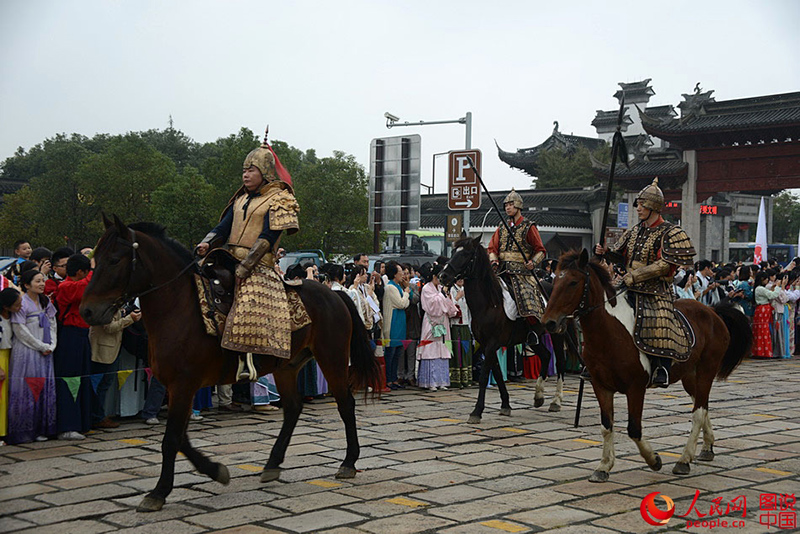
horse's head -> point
(570, 291)
(118, 275)
(461, 263)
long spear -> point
(618, 150)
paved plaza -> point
(424, 469)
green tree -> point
(786, 218)
(558, 169)
(333, 194)
(121, 179)
(186, 206)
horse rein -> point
(134, 259)
(584, 308)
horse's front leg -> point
(606, 400)
(505, 404)
(700, 422)
(483, 381)
(292, 402)
(544, 359)
(180, 404)
(561, 367)
(635, 397)
(214, 470)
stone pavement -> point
(424, 468)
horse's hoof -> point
(657, 465)
(505, 411)
(346, 472)
(474, 420)
(554, 407)
(706, 456)
(599, 476)
(150, 504)
(269, 475)
(537, 403)
(223, 475)
(681, 469)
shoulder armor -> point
(283, 212)
(676, 247)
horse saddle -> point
(216, 287)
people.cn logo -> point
(654, 515)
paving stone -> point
(91, 480)
(170, 527)
(511, 483)
(91, 493)
(17, 506)
(406, 524)
(317, 521)
(84, 510)
(254, 529)
(82, 527)
(470, 511)
(15, 492)
(235, 516)
(313, 501)
(379, 489)
(132, 518)
(454, 494)
(233, 500)
(7, 524)
(41, 453)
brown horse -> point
(140, 260)
(723, 338)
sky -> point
(323, 73)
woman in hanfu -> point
(433, 354)
(32, 403)
(764, 292)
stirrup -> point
(249, 374)
(660, 384)
(535, 339)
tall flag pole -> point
(618, 150)
(760, 253)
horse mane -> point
(571, 260)
(483, 269)
(159, 232)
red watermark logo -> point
(776, 510)
(652, 514)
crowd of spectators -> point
(56, 371)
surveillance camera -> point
(390, 117)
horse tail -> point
(364, 370)
(741, 338)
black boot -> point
(532, 340)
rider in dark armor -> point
(652, 251)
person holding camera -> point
(106, 341)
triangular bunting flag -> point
(424, 342)
(73, 383)
(148, 372)
(406, 343)
(95, 379)
(465, 344)
(122, 376)
(36, 385)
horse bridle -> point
(466, 272)
(583, 307)
(134, 244)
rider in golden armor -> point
(251, 225)
(652, 251)
(513, 268)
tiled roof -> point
(525, 158)
(667, 164)
(565, 208)
(636, 91)
(763, 118)
(608, 119)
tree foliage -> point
(785, 218)
(165, 177)
(558, 169)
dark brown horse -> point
(140, 260)
(723, 338)
(492, 329)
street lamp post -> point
(392, 121)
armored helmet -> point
(266, 160)
(514, 197)
(651, 197)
